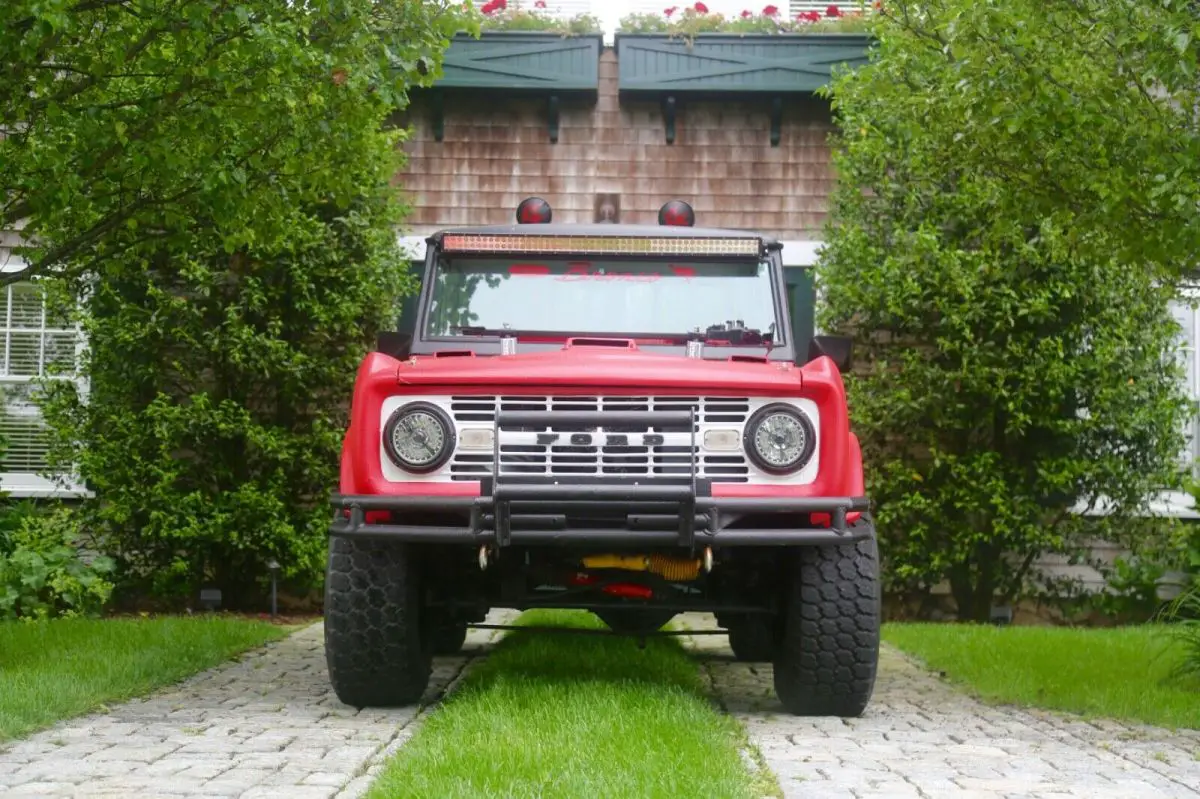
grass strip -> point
(573, 716)
(51, 670)
(1119, 673)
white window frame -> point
(31, 485)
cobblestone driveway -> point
(921, 738)
(267, 726)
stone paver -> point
(265, 726)
(269, 726)
(922, 738)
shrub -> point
(233, 251)
(218, 397)
(11, 515)
(988, 252)
(46, 574)
(1183, 615)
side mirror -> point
(837, 348)
(397, 345)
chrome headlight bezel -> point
(449, 437)
(807, 450)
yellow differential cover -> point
(668, 567)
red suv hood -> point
(602, 367)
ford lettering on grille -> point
(617, 451)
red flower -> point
(667, 12)
(770, 11)
(832, 11)
(700, 8)
(809, 16)
(540, 4)
(746, 15)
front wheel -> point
(829, 651)
(375, 649)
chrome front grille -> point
(643, 452)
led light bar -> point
(601, 245)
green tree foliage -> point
(215, 182)
(1017, 191)
(121, 117)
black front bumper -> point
(656, 514)
(667, 511)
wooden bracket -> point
(776, 120)
(439, 117)
(668, 109)
(552, 118)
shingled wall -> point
(496, 150)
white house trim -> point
(796, 252)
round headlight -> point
(780, 439)
(418, 437)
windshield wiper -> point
(480, 330)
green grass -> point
(574, 716)
(1121, 673)
(52, 670)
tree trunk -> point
(974, 588)
(962, 591)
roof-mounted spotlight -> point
(533, 211)
(677, 213)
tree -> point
(118, 117)
(1017, 192)
(213, 184)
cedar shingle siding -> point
(496, 150)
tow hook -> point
(483, 558)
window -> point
(33, 344)
(1186, 315)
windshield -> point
(598, 296)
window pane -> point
(23, 353)
(57, 318)
(60, 354)
(1182, 311)
(26, 307)
(26, 444)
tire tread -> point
(829, 653)
(374, 646)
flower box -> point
(785, 63)
(522, 61)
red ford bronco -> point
(608, 417)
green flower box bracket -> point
(537, 63)
(753, 65)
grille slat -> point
(521, 452)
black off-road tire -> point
(448, 638)
(829, 649)
(377, 653)
(753, 639)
